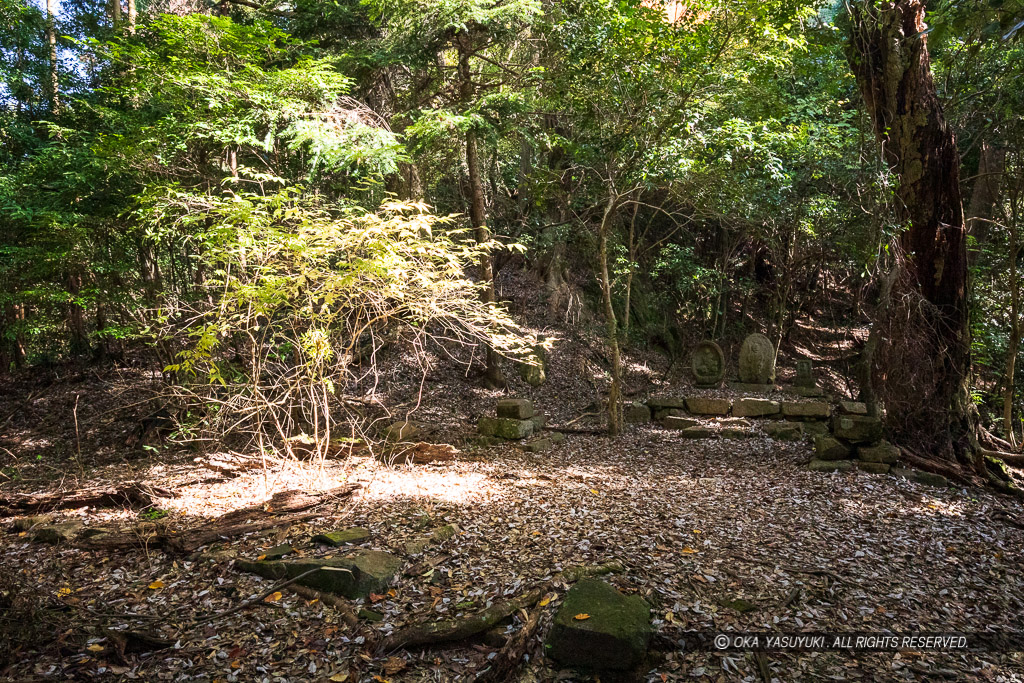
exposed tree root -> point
(453, 630)
(949, 471)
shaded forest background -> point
(267, 202)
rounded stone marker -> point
(708, 363)
(757, 360)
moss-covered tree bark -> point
(888, 52)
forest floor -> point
(715, 535)
(698, 525)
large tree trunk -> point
(477, 205)
(889, 56)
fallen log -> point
(284, 508)
(129, 494)
(453, 630)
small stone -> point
(698, 433)
(708, 406)
(853, 408)
(757, 360)
(883, 451)
(440, 535)
(673, 422)
(540, 420)
(613, 636)
(827, 447)
(830, 465)
(784, 431)
(276, 553)
(506, 428)
(343, 537)
(354, 576)
(556, 437)
(402, 431)
(538, 446)
(806, 409)
(754, 407)
(857, 428)
(660, 415)
(873, 467)
(635, 413)
(515, 408)
(662, 402)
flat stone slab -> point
(343, 536)
(752, 388)
(853, 408)
(857, 428)
(816, 428)
(755, 407)
(662, 402)
(515, 408)
(276, 553)
(806, 409)
(873, 467)
(784, 431)
(698, 433)
(708, 406)
(920, 476)
(674, 422)
(882, 452)
(736, 433)
(806, 392)
(599, 628)
(505, 427)
(828, 447)
(830, 465)
(354, 576)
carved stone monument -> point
(708, 364)
(804, 374)
(757, 360)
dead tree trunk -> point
(888, 53)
